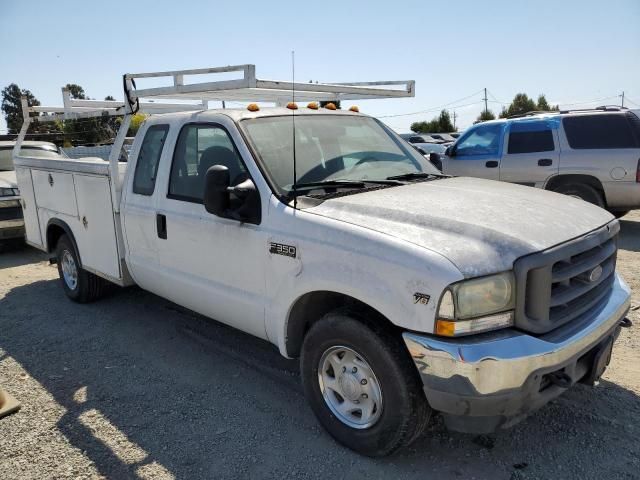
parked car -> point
(593, 155)
(443, 137)
(401, 290)
(11, 221)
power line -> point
(436, 108)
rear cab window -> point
(144, 179)
(530, 137)
(600, 131)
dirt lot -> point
(135, 387)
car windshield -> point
(330, 147)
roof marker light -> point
(313, 105)
(253, 107)
(354, 108)
(292, 106)
(330, 106)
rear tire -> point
(383, 365)
(78, 284)
(582, 191)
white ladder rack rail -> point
(248, 88)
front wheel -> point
(79, 285)
(362, 385)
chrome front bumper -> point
(490, 380)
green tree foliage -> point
(109, 97)
(522, 104)
(440, 124)
(12, 108)
(88, 130)
(485, 116)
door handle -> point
(491, 164)
(161, 225)
(545, 162)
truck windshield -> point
(330, 147)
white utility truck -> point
(401, 290)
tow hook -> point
(626, 323)
(560, 379)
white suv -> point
(591, 154)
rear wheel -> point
(362, 385)
(583, 192)
(79, 285)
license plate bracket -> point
(600, 361)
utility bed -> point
(78, 193)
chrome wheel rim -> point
(350, 387)
(69, 270)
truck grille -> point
(564, 282)
(10, 213)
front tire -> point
(78, 284)
(362, 385)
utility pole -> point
(485, 101)
(622, 105)
(454, 121)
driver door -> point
(477, 153)
(213, 265)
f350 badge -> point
(282, 249)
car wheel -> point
(79, 285)
(362, 385)
(583, 192)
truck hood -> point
(8, 179)
(481, 226)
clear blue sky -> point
(572, 51)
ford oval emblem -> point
(595, 274)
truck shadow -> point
(14, 253)
(629, 235)
(149, 387)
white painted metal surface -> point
(29, 207)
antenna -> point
(293, 122)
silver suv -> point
(590, 154)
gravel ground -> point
(136, 387)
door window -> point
(530, 137)
(482, 140)
(198, 148)
(144, 179)
(604, 130)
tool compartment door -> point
(96, 233)
(29, 207)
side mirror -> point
(216, 190)
(241, 202)
(449, 152)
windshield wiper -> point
(328, 184)
(414, 175)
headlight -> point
(477, 305)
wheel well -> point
(312, 306)
(55, 230)
(561, 180)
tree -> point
(440, 124)
(522, 104)
(88, 130)
(109, 97)
(486, 115)
(12, 107)
(76, 91)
